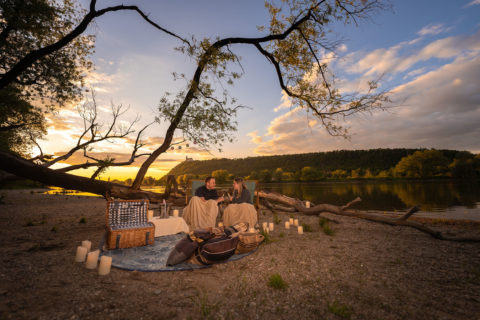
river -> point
(438, 198)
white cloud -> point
(439, 109)
(432, 29)
(392, 60)
(472, 3)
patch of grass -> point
(276, 219)
(340, 310)
(282, 234)
(327, 230)
(267, 239)
(29, 223)
(54, 229)
(83, 220)
(323, 223)
(205, 307)
(276, 282)
(306, 227)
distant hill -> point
(375, 160)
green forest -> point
(338, 165)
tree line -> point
(338, 165)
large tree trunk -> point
(26, 169)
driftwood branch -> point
(345, 210)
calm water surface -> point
(442, 199)
(438, 199)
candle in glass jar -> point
(264, 226)
(251, 230)
(307, 204)
(105, 265)
(291, 221)
(300, 229)
(220, 224)
(295, 222)
(87, 244)
(287, 225)
(92, 259)
(149, 215)
(81, 254)
(175, 213)
(270, 226)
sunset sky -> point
(426, 52)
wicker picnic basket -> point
(127, 224)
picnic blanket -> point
(153, 258)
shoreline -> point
(372, 270)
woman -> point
(241, 208)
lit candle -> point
(270, 226)
(220, 224)
(81, 254)
(295, 222)
(92, 259)
(264, 226)
(105, 265)
(287, 225)
(251, 230)
(307, 204)
(290, 220)
(87, 244)
(300, 230)
(149, 215)
(175, 213)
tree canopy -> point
(294, 41)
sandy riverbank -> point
(363, 271)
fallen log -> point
(344, 211)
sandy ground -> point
(364, 271)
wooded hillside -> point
(335, 164)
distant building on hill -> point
(188, 159)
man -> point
(202, 210)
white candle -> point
(307, 204)
(81, 254)
(87, 244)
(295, 222)
(220, 224)
(270, 226)
(92, 259)
(175, 213)
(291, 220)
(105, 265)
(287, 225)
(300, 230)
(251, 230)
(149, 215)
(264, 226)
(266, 230)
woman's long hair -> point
(242, 185)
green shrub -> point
(306, 227)
(276, 281)
(339, 310)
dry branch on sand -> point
(295, 205)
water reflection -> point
(387, 195)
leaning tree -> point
(294, 42)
